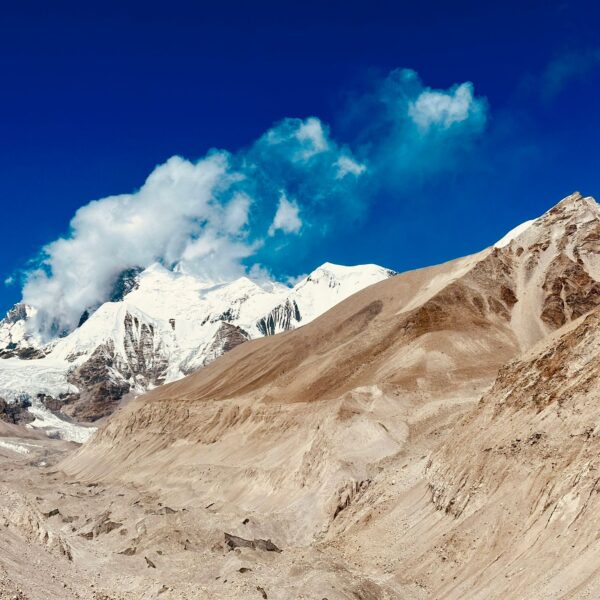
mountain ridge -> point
(160, 325)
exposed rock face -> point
(226, 338)
(144, 359)
(17, 313)
(233, 542)
(555, 382)
(15, 340)
(108, 375)
(524, 462)
(555, 264)
(126, 282)
(15, 412)
(102, 386)
(282, 318)
(570, 292)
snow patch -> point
(54, 426)
(514, 233)
(18, 448)
(28, 378)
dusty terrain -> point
(433, 436)
(96, 546)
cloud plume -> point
(218, 217)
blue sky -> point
(451, 122)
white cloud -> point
(293, 280)
(309, 137)
(218, 217)
(177, 216)
(437, 108)
(196, 215)
(9, 281)
(348, 166)
(236, 213)
(287, 217)
(313, 138)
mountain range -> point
(158, 326)
(432, 435)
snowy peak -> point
(19, 312)
(513, 234)
(160, 325)
(575, 202)
(15, 337)
(325, 287)
(575, 210)
(340, 275)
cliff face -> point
(281, 318)
(107, 375)
(15, 340)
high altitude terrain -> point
(432, 436)
(157, 326)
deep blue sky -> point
(94, 95)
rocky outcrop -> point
(521, 468)
(15, 339)
(225, 339)
(570, 292)
(24, 352)
(17, 313)
(126, 282)
(143, 359)
(101, 386)
(15, 412)
(233, 542)
(282, 318)
(105, 377)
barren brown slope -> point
(549, 275)
(520, 479)
(273, 426)
(361, 342)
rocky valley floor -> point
(64, 537)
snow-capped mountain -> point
(317, 293)
(15, 339)
(160, 325)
